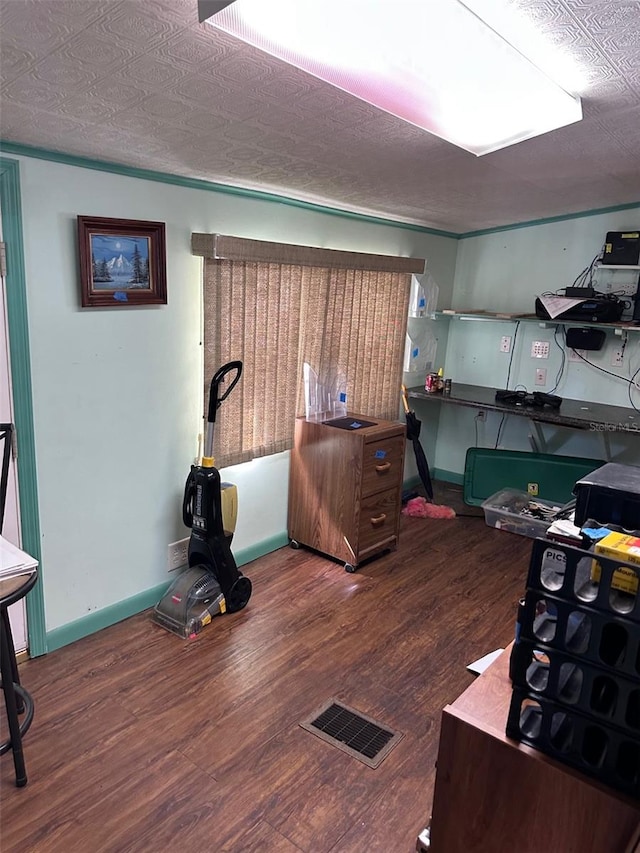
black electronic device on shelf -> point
(598, 309)
(586, 339)
(537, 399)
(622, 248)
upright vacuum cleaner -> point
(212, 583)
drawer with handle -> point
(379, 519)
(382, 464)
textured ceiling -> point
(141, 82)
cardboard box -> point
(619, 546)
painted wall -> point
(117, 393)
(504, 271)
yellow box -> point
(619, 546)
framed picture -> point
(122, 262)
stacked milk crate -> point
(576, 664)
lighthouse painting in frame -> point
(122, 262)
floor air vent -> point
(352, 732)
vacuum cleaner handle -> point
(218, 376)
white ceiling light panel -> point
(434, 63)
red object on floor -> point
(421, 508)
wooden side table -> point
(494, 794)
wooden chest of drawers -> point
(345, 488)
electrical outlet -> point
(540, 349)
(617, 358)
(177, 554)
(575, 355)
(505, 343)
(541, 376)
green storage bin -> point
(488, 471)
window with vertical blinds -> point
(275, 307)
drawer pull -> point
(378, 520)
(383, 467)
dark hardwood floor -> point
(146, 742)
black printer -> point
(596, 309)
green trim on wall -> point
(11, 207)
(266, 546)
(411, 483)
(533, 222)
(210, 186)
(258, 195)
(448, 476)
(437, 474)
(104, 618)
(107, 616)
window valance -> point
(221, 247)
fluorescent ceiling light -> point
(433, 63)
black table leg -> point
(6, 672)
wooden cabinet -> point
(492, 793)
(345, 487)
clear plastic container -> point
(512, 510)
(423, 299)
(420, 349)
(327, 398)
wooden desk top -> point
(486, 701)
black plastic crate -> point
(578, 684)
(572, 574)
(589, 635)
(582, 742)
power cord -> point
(513, 349)
(625, 338)
(563, 353)
(585, 278)
(601, 369)
(631, 383)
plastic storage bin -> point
(563, 732)
(611, 494)
(584, 579)
(514, 511)
(575, 665)
(487, 470)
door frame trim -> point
(12, 235)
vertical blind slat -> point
(347, 324)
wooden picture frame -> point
(122, 262)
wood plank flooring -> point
(145, 742)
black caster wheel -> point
(294, 544)
(239, 594)
(348, 567)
